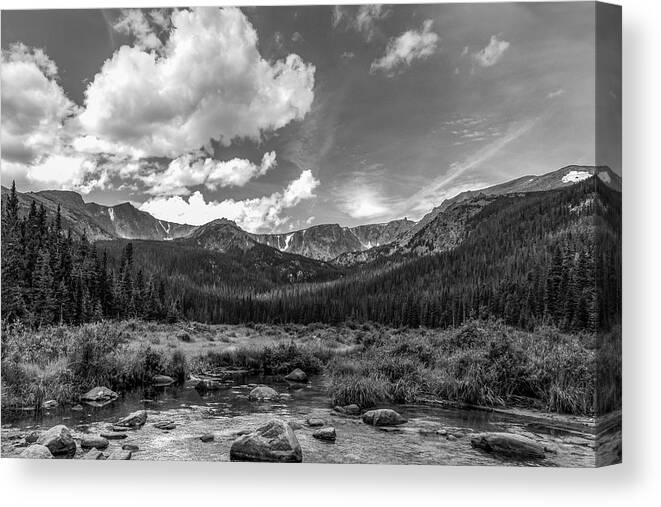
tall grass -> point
(481, 363)
(61, 363)
(277, 359)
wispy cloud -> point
(442, 187)
(555, 93)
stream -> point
(227, 412)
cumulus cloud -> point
(250, 214)
(208, 82)
(362, 19)
(492, 53)
(187, 171)
(135, 22)
(59, 171)
(34, 105)
(403, 50)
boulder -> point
(77, 408)
(49, 404)
(352, 409)
(99, 394)
(205, 385)
(327, 434)
(162, 380)
(263, 393)
(59, 441)
(88, 442)
(94, 454)
(383, 417)
(113, 435)
(120, 454)
(130, 447)
(165, 425)
(37, 451)
(273, 442)
(134, 420)
(313, 422)
(207, 437)
(297, 375)
(508, 444)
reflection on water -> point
(228, 411)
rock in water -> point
(326, 434)
(113, 435)
(383, 417)
(99, 394)
(59, 441)
(314, 422)
(88, 442)
(165, 425)
(120, 454)
(263, 393)
(273, 442)
(49, 404)
(207, 437)
(94, 454)
(508, 444)
(130, 447)
(162, 380)
(37, 451)
(352, 409)
(134, 420)
(297, 375)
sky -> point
(284, 117)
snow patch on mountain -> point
(111, 213)
(575, 176)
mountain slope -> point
(327, 241)
(444, 227)
(100, 222)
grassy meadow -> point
(480, 363)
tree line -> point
(50, 276)
(549, 257)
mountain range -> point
(442, 229)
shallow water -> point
(227, 412)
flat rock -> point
(327, 434)
(120, 454)
(113, 435)
(59, 441)
(162, 380)
(273, 442)
(297, 375)
(314, 422)
(94, 454)
(165, 425)
(37, 451)
(508, 444)
(49, 404)
(383, 417)
(263, 393)
(207, 437)
(134, 420)
(130, 447)
(87, 442)
(99, 394)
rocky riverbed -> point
(184, 423)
